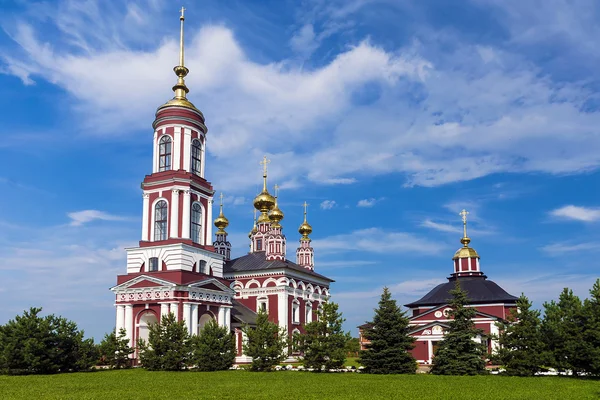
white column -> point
(187, 148)
(175, 310)
(155, 153)
(185, 215)
(227, 322)
(129, 323)
(120, 318)
(209, 220)
(145, 215)
(174, 214)
(176, 148)
(194, 319)
(282, 310)
(221, 317)
(203, 155)
(164, 309)
(187, 311)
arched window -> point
(196, 157)
(295, 312)
(308, 310)
(196, 223)
(160, 220)
(164, 153)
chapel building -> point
(178, 268)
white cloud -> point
(577, 213)
(562, 248)
(370, 202)
(79, 218)
(327, 204)
(440, 226)
(305, 41)
(376, 240)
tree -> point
(115, 350)
(214, 348)
(458, 353)
(390, 342)
(352, 346)
(324, 341)
(266, 343)
(168, 347)
(591, 330)
(31, 344)
(522, 350)
(562, 328)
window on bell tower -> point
(164, 153)
(196, 226)
(196, 157)
(153, 264)
(160, 220)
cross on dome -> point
(264, 163)
(464, 214)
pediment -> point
(434, 328)
(440, 313)
(211, 284)
(142, 281)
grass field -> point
(141, 384)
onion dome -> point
(221, 222)
(276, 215)
(181, 71)
(305, 229)
(465, 251)
(264, 202)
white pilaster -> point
(120, 318)
(164, 309)
(187, 148)
(145, 215)
(176, 148)
(194, 319)
(227, 321)
(155, 153)
(129, 323)
(282, 310)
(185, 220)
(175, 310)
(203, 153)
(187, 311)
(174, 213)
(209, 222)
(221, 317)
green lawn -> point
(141, 384)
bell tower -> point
(466, 259)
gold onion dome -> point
(264, 202)
(276, 215)
(221, 221)
(465, 251)
(305, 229)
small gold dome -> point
(264, 202)
(465, 251)
(221, 222)
(305, 229)
(276, 215)
(264, 217)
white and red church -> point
(178, 268)
(429, 316)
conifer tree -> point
(266, 343)
(214, 348)
(115, 350)
(168, 347)
(522, 349)
(390, 342)
(324, 341)
(562, 328)
(591, 326)
(458, 353)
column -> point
(221, 317)
(155, 153)
(203, 155)
(164, 309)
(129, 323)
(282, 310)
(175, 310)
(209, 224)
(176, 148)
(194, 319)
(187, 310)
(185, 220)
(187, 148)
(120, 318)
(175, 213)
(145, 215)
(227, 318)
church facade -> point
(429, 316)
(179, 268)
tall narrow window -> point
(196, 157)
(196, 223)
(258, 244)
(203, 268)
(160, 220)
(164, 153)
(153, 264)
(296, 312)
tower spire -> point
(180, 70)
(465, 239)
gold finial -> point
(305, 229)
(221, 222)
(264, 163)
(465, 239)
(264, 202)
(181, 18)
(221, 198)
(180, 70)
(305, 209)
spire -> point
(305, 229)
(465, 240)
(264, 202)
(221, 222)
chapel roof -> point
(243, 314)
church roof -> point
(258, 261)
(479, 291)
(243, 314)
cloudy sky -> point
(387, 117)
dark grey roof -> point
(243, 314)
(479, 291)
(257, 261)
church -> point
(178, 268)
(429, 316)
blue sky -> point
(387, 117)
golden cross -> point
(464, 214)
(221, 197)
(182, 10)
(264, 163)
(305, 206)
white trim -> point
(174, 228)
(187, 148)
(129, 323)
(177, 148)
(282, 310)
(120, 318)
(209, 221)
(145, 216)
(187, 311)
(186, 214)
(155, 151)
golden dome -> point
(264, 202)
(465, 251)
(221, 221)
(276, 215)
(305, 229)
(264, 217)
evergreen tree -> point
(562, 329)
(266, 343)
(324, 341)
(458, 353)
(168, 347)
(390, 342)
(353, 346)
(115, 350)
(214, 348)
(31, 344)
(522, 347)
(591, 327)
